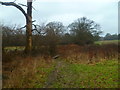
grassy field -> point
(93, 66)
(99, 75)
(107, 42)
(63, 74)
(13, 48)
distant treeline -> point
(109, 36)
(82, 31)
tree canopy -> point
(84, 30)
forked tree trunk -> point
(28, 17)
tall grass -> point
(21, 71)
(89, 53)
(26, 72)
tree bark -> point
(28, 47)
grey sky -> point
(103, 12)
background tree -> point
(39, 35)
(108, 36)
(83, 30)
(67, 39)
(12, 37)
(54, 32)
(118, 36)
(56, 27)
(48, 36)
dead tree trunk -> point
(28, 47)
(28, 17)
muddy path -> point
(55, 74)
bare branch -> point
(35, 26)
(22, 4)
(36, 30)
(17, 6)
(23, 27)
(26, 5)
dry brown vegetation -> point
(23, 71)
(88, 53)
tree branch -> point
(39, 32)
(25, 5)
(17, 6)
(23, 27)
(22, 5)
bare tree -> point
(28, 17)
(84, 30)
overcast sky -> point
(103, 12)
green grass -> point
(103, 74)
(41, 77)
(100, 75)
(107, 42)
(15, 47)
